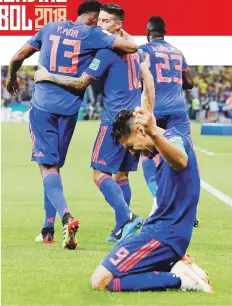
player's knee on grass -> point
(97, 175)
(101, 278)
(121, 176)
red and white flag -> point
(201, 29)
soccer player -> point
(152, 258)
(171, 75)
(122, 90)
(66, 48)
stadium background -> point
(209, 101)
(35, 274)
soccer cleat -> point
(131, 226)
(46, 236)
(114, 237)
(197, 222)
(188, 260)
(189, 280)
(70, 229)
(39, 238)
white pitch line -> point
(217, 193)
(204, 151)
(224, 154)
(209, 153)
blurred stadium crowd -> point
(209, 101)
(211, 98)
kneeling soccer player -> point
(153, 258)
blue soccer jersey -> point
(177, 198)
(122, 81)
(65, 48)
(167, 65)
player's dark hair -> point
(156, 26)
(114, 9)
(122, 125)
(89, 7)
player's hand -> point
(147, 120)
(12, 86)
(122, 33)
(126, 36)
(42, 74)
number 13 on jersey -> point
(73, 55)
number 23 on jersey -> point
(167, 61)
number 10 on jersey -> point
(133, 74)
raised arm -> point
(148, 97)
(147, 59)
(172, 150)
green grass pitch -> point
(37, 274)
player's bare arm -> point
(128, 46)
(147, 124)
(187, 77)
(15, 63)
(69, 82)
(147, 59)
(148, 97)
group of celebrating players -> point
(144, 115)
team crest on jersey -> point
(140, 51)
(95, 64)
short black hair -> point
(88, 7)
(122, 125)
(114, 9)
(156, 25)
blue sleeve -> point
(179, 143)
(101, 63)
(143, 49)
(102, 39)
(36, 40)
